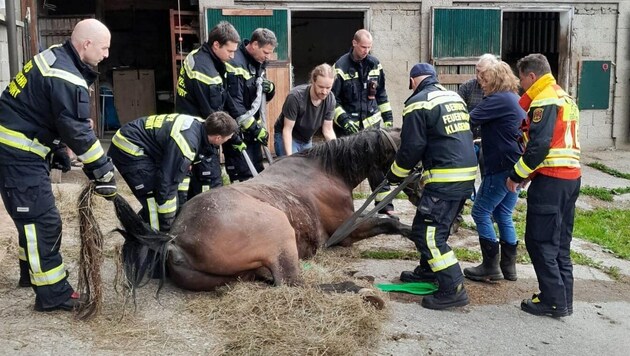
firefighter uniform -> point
(552, 161)
(436, 133)
(47, 103)
(154, 155)
(362, 103)
(202, 90)
(245, 75)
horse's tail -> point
(145, 249)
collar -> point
(218, 64)
(86, 71)
(536, 88)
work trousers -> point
(28, 198)
(430, 231)
(548, 235)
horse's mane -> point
(353, 157)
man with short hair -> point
(551, 162)
(362, 101)
(247, 86)
(436, 134)
(45, 109)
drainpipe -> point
(12, 38)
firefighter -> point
(202, 90)
(44, 108)
(436, 134)
(551, 162)
(362, 102)
(154, 154)
(247, 86)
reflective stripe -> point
(47, 58)
(439, 98)
(126, 146)
(371, 120)
(20, 141)
(376, 71)
(546, 102)
(238, 71)
(446, 175)
(205, 188)
(385, 107)
(430, 239)
(31, 248)
(21, 254)
(246, 122)
(169, 206)
(345, 76)
(92, 154)
(49, 277)
(176, 134)
(380, 196)
(399, 171)
(522, 169)
(338, 112)
(444, 261)
(189, 64)
(183, 186)
(153, 214)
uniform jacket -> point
(351, 91)
(551, 133)
(436, 132)
(201, 86)
(171, 142)
(48, 103)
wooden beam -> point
(246, 12)
(454, 78)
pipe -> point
(12, 38)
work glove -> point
(166, 220)
(268, 86)
(259, 133)
(105, 186)
(237, 143)
(60, 159)
(388, 124)
(349, 126)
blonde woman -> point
(500, 117)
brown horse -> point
(264, 225)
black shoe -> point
(418, 275)
(446, 299)
(535, 307)
(72, 303)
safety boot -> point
(25, 277)
(488, 270)
(419, 274)
(536, 307)
(508, 261)
(70, 304)
(456, 297)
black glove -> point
(393, 179)
(349, 126)
(259, 133)
(106, 186)
(267, 86)
(60, 159)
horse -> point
(263, 226)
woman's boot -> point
(508, 260)
(489, 267)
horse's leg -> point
(198, 281)
(376, 226)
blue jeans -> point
(494, 200)
(278, 144)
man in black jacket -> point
(45, 108)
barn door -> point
(458, 37)
(246, 20)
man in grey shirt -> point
(307, 108)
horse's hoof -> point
(369, 296)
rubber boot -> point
(457, 297)
(25, 277)
(489, 267)
(508, 261)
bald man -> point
(362, 101)
(45, 109)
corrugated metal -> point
(245, 25)
(466, 32)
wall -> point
(5, 75)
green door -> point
(465, 32)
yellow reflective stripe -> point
(92, 154)
(430, 239)
(169, 206)
(238, 71)
(564, 152)
(21, 254)
(176, 134)
(559, 162)
(371, 120)
(399, 171)
(385, 107)
(126, 146)
(376, 71)
(380, 196)
(42, 60)
(522, 169)
(446, 175)
(49, 277)
(246, 122)
(440, 98)
(31, 248)
(547, 102)
(205, 188)
(20, 141)
(443, 261)
(153, 214)
(189, 64)
(338, 112)
(343, 75)
(183, 186)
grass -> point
(604, 168)
(605, 227)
